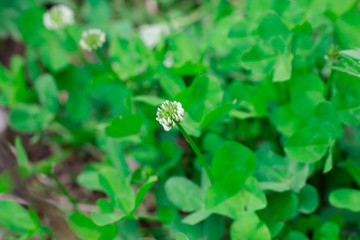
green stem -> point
(64, 190)
(197, 151)
(108, 67)
(328, 88)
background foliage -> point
(277, 124)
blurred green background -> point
(278, 126)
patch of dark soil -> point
(68, 170)
(35, 151)
(9, 48)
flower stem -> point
(328, 88)
(197, 151)
(108, 67)
(63, 189)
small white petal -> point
(167, 128)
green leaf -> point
(251, 100)
(102, 219)
(329, 231)
(253, 195)
(189, 68)
(346, 198)
(145, 154)
(259, 60)
(275, 226)
(30, 22)
(308, 199)
(294, 235)
(272, 27)
(169, 82)
(7, 183)
(134, 55)
(143, 191)
(201, 97)
(53, 53)
(89, 178)
(283, 206)
(325, 117)
(307, 82)
(21, 154)
(347, 107)
(286, 121)
(29, 118)
(308, 145)
(232, 164)
(329, 160)
(13, 84)
(257, 9)
(196, 217)
(280, 174)
(183, 49)
(115, 155)
(347, 31)
(85, 228)
(104, 205)
(78, 106)
(117, 188)
(151, 100)
(47, 91)
(349, 62)
(282, 68)
(15, 217)
(214, 114)
(190, 126)
(304, 103)
(214, 227)
(353, 168)
(250, 198)
(181, 236)
(340, 7)
(184, 194)
(124, 125)
(98, 11)
(248, 226)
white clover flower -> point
(92, 39)
(151, 34)
(169, 60)
(58, 17)
(170, 113)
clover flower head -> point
(152, 34)
(58, 17)
(170, 113)
(92, 39)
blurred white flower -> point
(170, 113)
(92, 39)
(151, 34)
(58, 17)
(169, 60)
